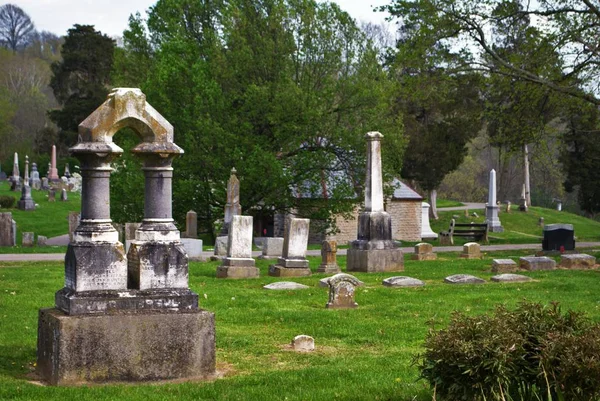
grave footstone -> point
(7, 230)
(374, 249)
(558, 237)
(303, 343)
(293, 262)
(463, 279)
(504, 266)
(328, 258)
(510, 278)
(28, 239)
(424, 251)
(402, 281)
(471, 250)
(42, 240)
(125, 318)
(537, 263)
(285, 285)
(272, 248)
(341, 291)
(577, 261)
(239, 262)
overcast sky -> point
(111, 16)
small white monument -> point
(491, 210)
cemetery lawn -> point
(520, 227)
(49, 218)
(362, 354)
(446, 203)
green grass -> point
(49, 218)
(362, 354)
(446, 203)
(521, 227)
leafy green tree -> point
(80, 81)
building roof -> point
(404, 192)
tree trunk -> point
(433, 214)
(526, 166)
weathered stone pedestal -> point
(125, 347)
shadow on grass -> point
(17, 362)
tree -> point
(80, 81)
(465, 29)
(16, 28)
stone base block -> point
(26, 204)
(375, 260)
(329, 269)
(577, 261)
(424, 256)
(99, 302)
(238, 272)
(125, 347)
(280, 271)
(153, 264)
(537, 263)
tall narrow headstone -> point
(491, 210)
(239, 262)
(26, 174)
(53, 172)
(293, 262)
(15, 178)
(191, 224)
(232, 207)
(7, 230)
(426, 231)
(125, 318)
(26, 202)
(374, 250)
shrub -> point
(532, 353)
(7, 202)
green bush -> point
(532, 353)
(7, 202)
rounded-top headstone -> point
(324, 282)
(303, 343)
(402, 281)
(463, 279)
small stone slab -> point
(537, 263)
(504, 265)
(324, 282)
(402, 281)
(463, 279)
(510, 278)
(303, 343)
(285, 285)
(577, 261)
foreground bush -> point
(532, 353)
(7, 202)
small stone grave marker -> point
(271, 248)
(504, 265)
(577, 261)
(510, 278)
(341, 291)
(51, 195)
(285, 285)
(28, 239)
(424, 251)
(324, 282)
(471, 250)
(463, 279)
(7, 230)
(537, 263)
(42, 240)
(402, 281)
(303, 343)
(328, 258)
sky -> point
(111, 16)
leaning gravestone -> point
(537, 263)
(293, 262)
(558, 237)
(328, 258)
(125, 317)
(463, 279)
(272, 248)
(239, 262)
(374, 250)
(341, 291)
(7, 230)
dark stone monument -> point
(558, 237)
(125, 318)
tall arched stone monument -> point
(125, 317)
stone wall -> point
(406, 219)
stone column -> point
(26, 176)
(53, 172)
(374, 250)
(491, 210)
(15, 178)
